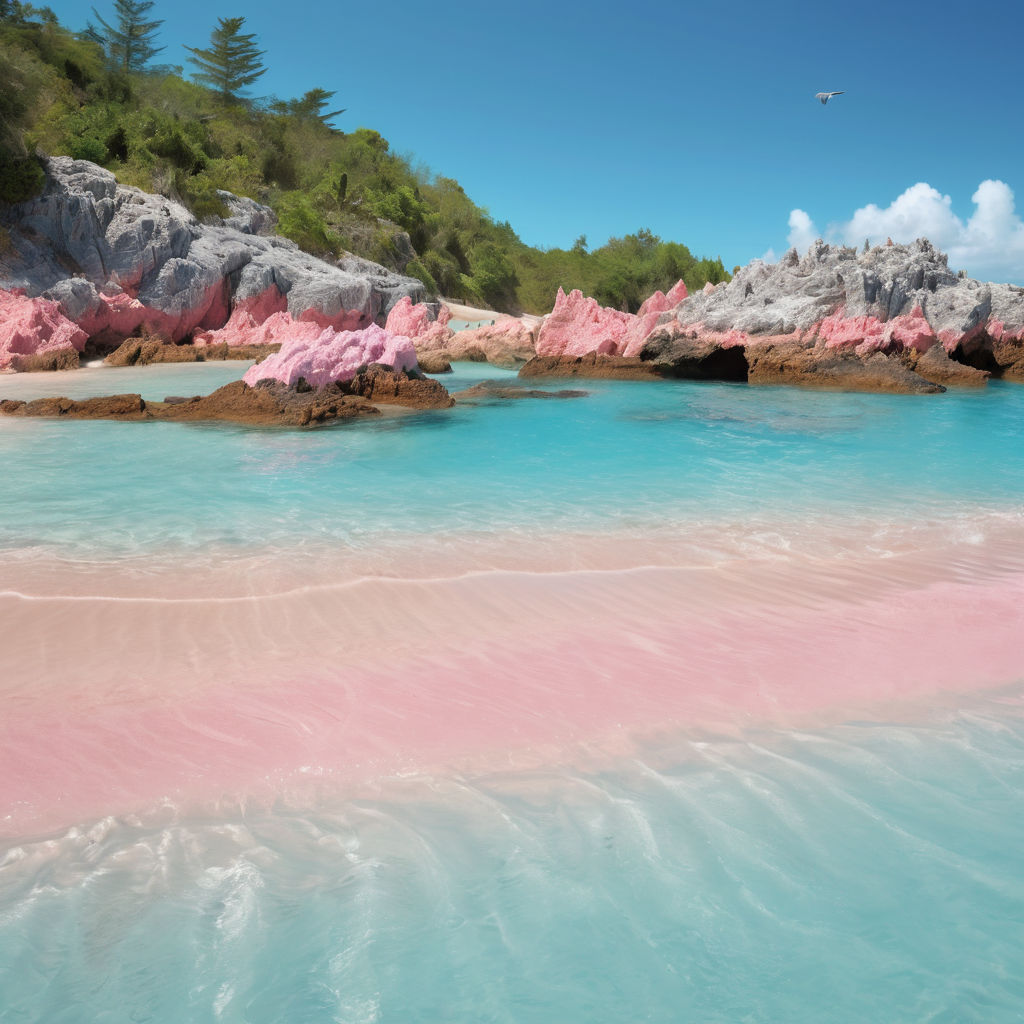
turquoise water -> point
(860, 871)
(863, 873)
(627, 456)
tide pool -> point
(670, 702)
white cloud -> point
(802, 231)
(989, 246)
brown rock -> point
(834, 369)
(380, 383)
(142, 351)
(592, 366)
(434, 362)
(690, 357)
(494, 390)
(267, 404)
(109, 407)
(935, 365)
(62, 359)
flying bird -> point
(826, 96)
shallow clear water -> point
(627, 456)
(672, 702)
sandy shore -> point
(472, 314)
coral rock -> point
(322, 357)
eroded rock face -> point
(593, 366)
(894, 318)
(116, 260)
(890, 299)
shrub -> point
(21, 178)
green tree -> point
(128, 45)
(232, 63)
(309, 107)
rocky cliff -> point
(892, 318)
(117, 261)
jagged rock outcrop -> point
(893, 318)
(898, 300)
(117, 260)
(422, 323)
(35, 332)
(579, 325)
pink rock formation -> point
(867, 334)
(30, 327)
(416, 321)
(508, 342)
(579, 325)
(659, 302)
(122, 315)
(324, 356)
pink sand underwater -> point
(187, 688)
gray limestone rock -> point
(85, 234)
(884, 282)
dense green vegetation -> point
(96, 96)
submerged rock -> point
(493, 390)
(270, 403)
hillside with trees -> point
(99, 95)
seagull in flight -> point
(826, 96)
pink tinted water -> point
(117, 695)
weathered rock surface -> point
(109, 407)
(116, 260)
(381, 384)
(270, 403)
(837, 369)
(898, 300)
(142, 351)
(593, 366)
(434, 362)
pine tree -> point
(129, 46)
(231, 63)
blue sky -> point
(698, 122)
